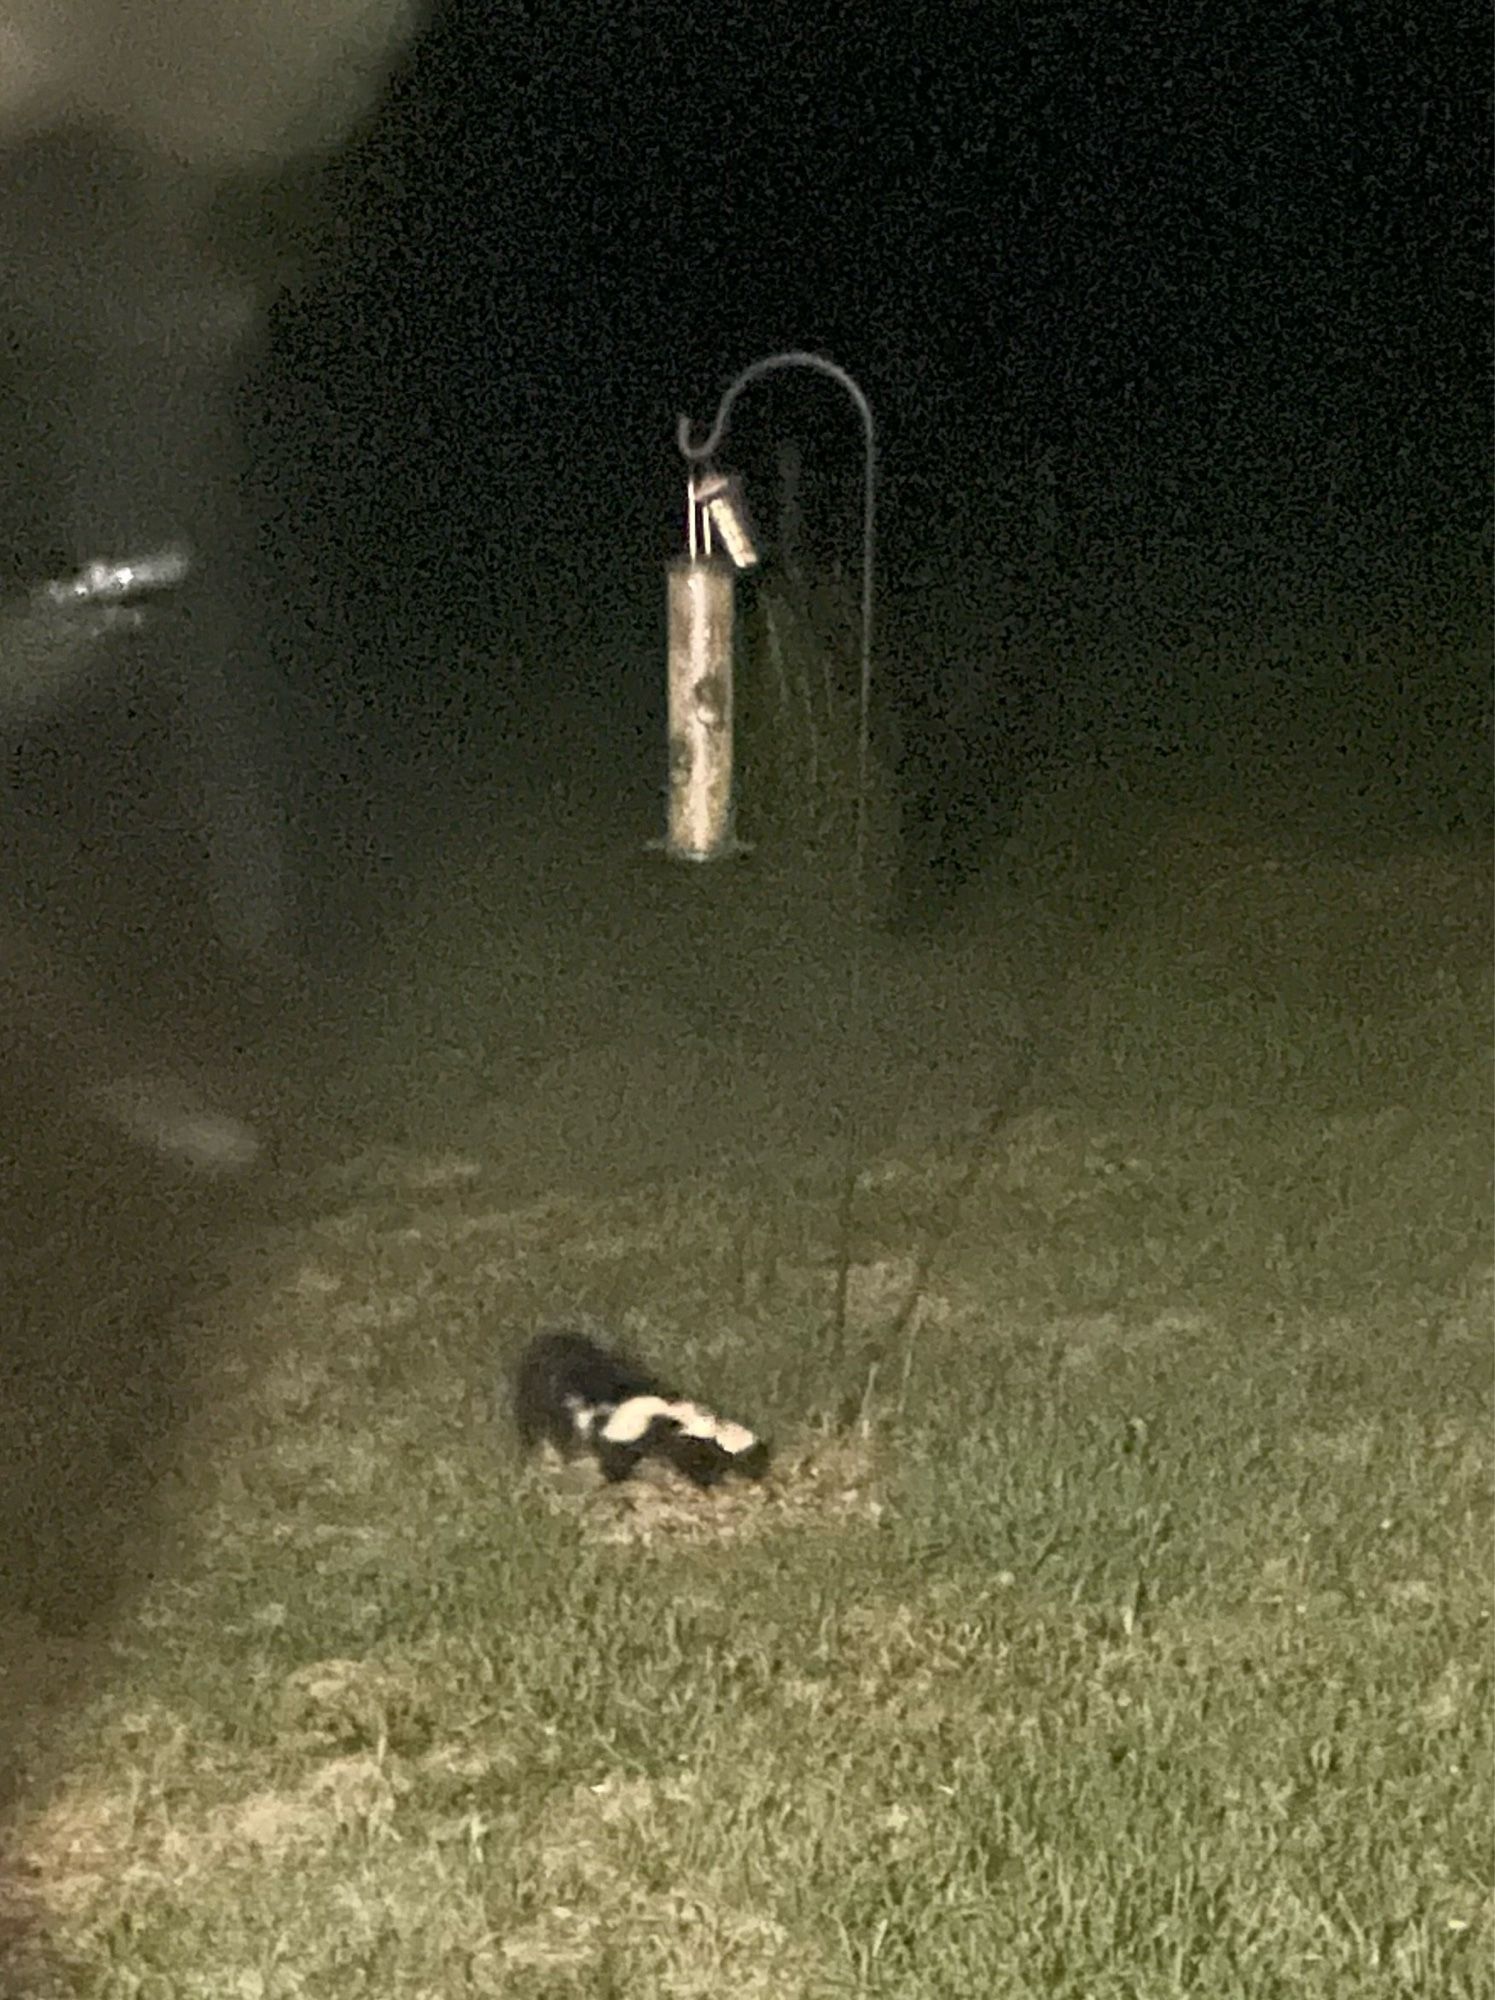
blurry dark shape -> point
(144, 913)
(126, 340)
(48, 632)
(213, 85)
(126, 1164)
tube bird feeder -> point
(701, 605)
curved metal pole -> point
(694, 453)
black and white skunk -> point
(575, 1394)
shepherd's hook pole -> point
(694, 453)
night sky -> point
(1213, 275)
(1226, 265)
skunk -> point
(578, 1396)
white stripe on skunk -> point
(577, 1395)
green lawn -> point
(1116, 1623)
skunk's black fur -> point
(581, 1397)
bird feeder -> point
(701, 594)
(701, 585)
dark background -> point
(1219, 261)
(1213, 277)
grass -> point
(1131, 1639)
